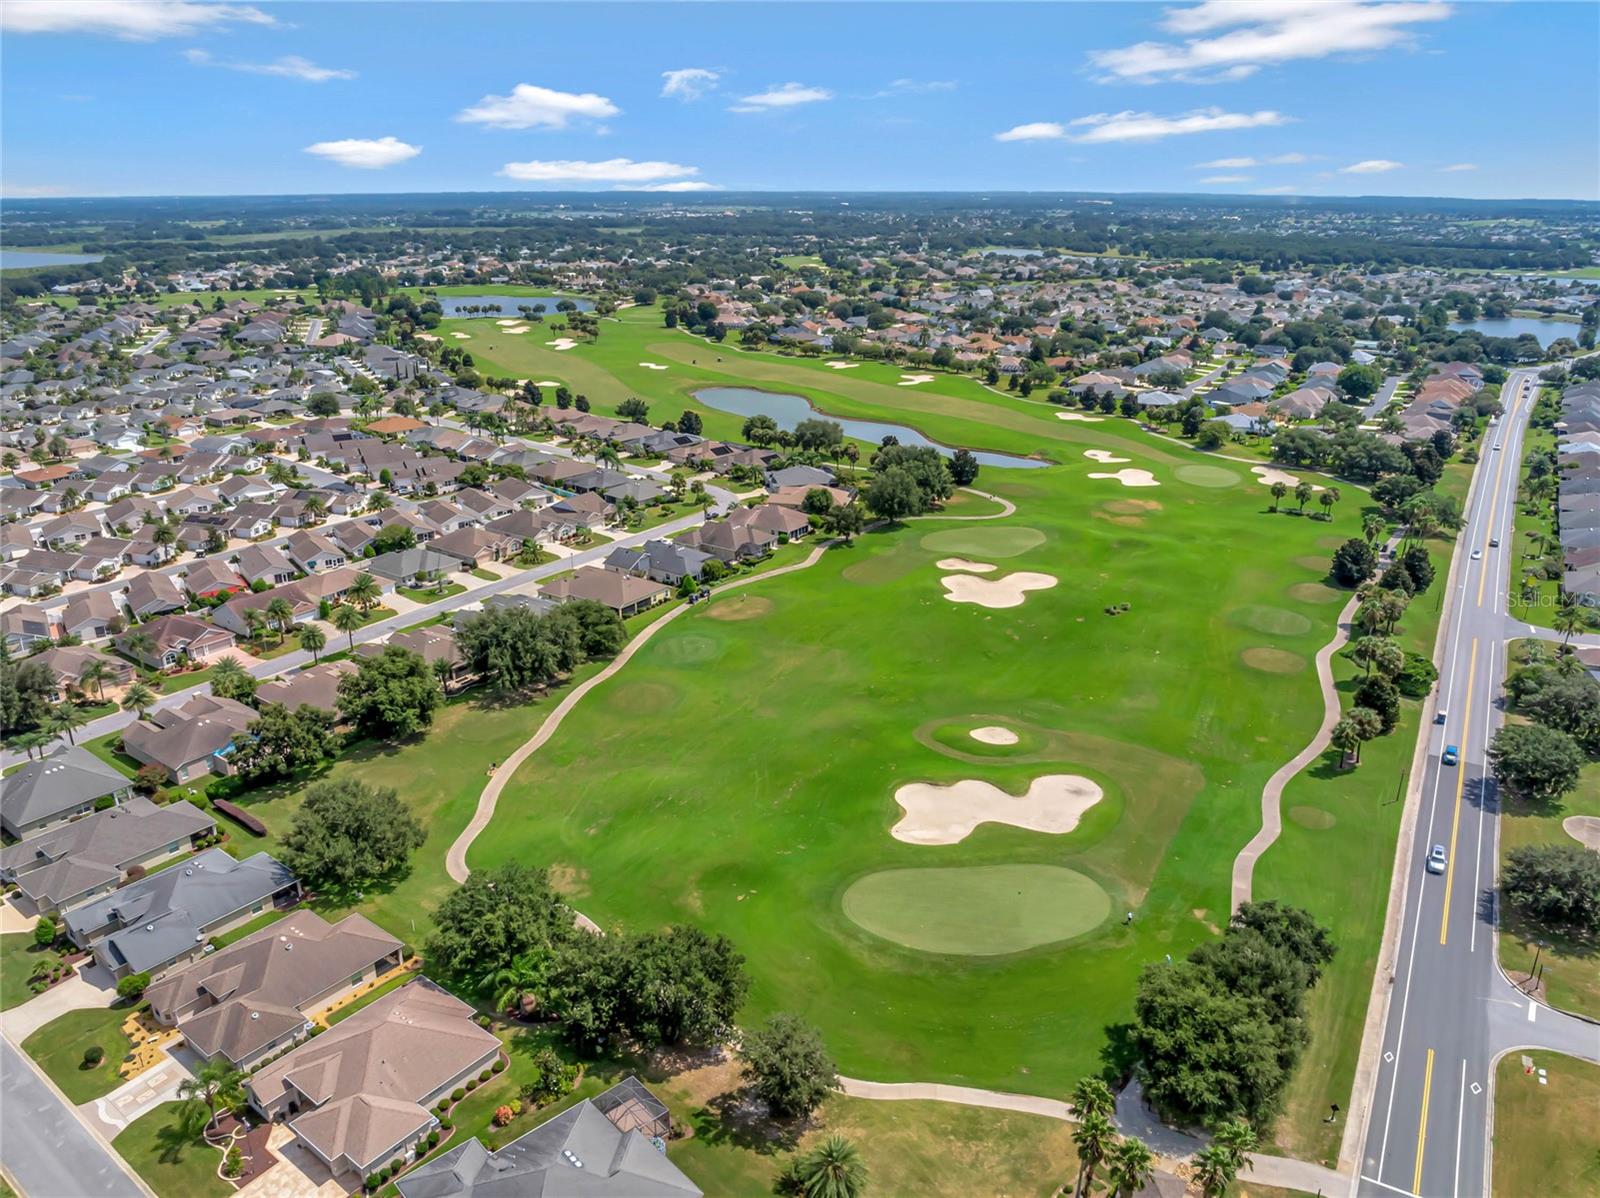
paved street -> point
(1451, 1011)
(46, 1149)
(1381, 398)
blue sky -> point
(1338, 97)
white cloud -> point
(1145, 126)
(1236, 163)
(787, 95)
(290, 66)
(130, 20)
(1454, 167)
(690, 83)
(1247, 35)
(681, 185)
(31, 191)
(532, 107)
(611, 170)
(1219, 179)
(1370, 166)
(913, 87)
(369, 154)
(1033, 131)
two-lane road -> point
(1452, 1012)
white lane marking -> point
(1386, 1186)
(1483, 794)
(1533, 1011)
(1461, 1112)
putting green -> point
(1317, 592)
(644, 698)
(1273, 661)
(741, 607)
(1207, 476)
(1006, 540)
(978, 911)
(1276, 621)
(1314, 818)
(689, 650)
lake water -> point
(1514, 326)
(452, 305)
(17, 259)
(790, 410)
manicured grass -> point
(172, 1163)
(486, 575)
(266, 919)
(430, 594)
(58, 1048)
(400, 978)
(19, 961)
(1569, 966)
(1546, 1138)
(760, 830)
(166, 684)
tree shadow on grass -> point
(174, 1139)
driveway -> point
(139, 1095)
(90, 987)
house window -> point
(354, 978)
(173, 847)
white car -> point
(1437, 859)
(1497, 445)
(1476, 554)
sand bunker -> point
(424, 336)
(993, 734)
(911, 380)
(1132, 478)
(948, 814)
(652, 365)
(462, 336)
(547, 383)
(517, 328)
(1009, 591)
(561, 343)
(1267, 475)
(506, 324)
(1079, 416)
(1585, 829)
(842, 365)
(1105, 457)
(961, 563)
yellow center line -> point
(1499, 472)
(1461, 782)
(1422, 1126)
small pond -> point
(790, 410)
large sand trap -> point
(1009, 591)
(561, 343)
(462, 336)
(911, 380)
(1132, 478)
(517, 328)
(1267, 475)
(506, 324)
(425, 337)
(1585, 829)
(842, 365)
(993, 734)
(961, 563)
(547, 383)
(1105, 457)
(1079, 416)
(652, 365)
(948, 814)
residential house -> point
(259, 995)
(167, 916)
(265, 563)
(93, 615)
(665, 561)
(315, 686)
(152, 594)
(63, 786)
(361, 1094)
(169, 640)
(312, 552)
(191, 740)
(625, 594)
(68, 664)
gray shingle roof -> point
(42, 790)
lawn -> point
(430, 594)
(20, 959)
(1570, 967)
(372, 996)
(173, 1163)
(1546, 1137)
(834, 687)
(58, 1048)
(265, 920)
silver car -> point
(1437, 859)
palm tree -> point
(833, 1169)
(363, 592)
(281, 612)
(442, 670)
(138, 698)
(312, 640)
(29, 741)
(64, 719)
(1346, 739)
(1329, 497)
(1130, 1166)
(527, 974)
(1279, 490)
(347, 619)
(1093, 1135)
(94, 673)
(257, 620)
(1372, 526)
(1568, 619)
(1092, 1096)
(228, 679)
(216, 1083)
(1302, 495)
(1238, 1139)
(1214, 1170)
(139, 644)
